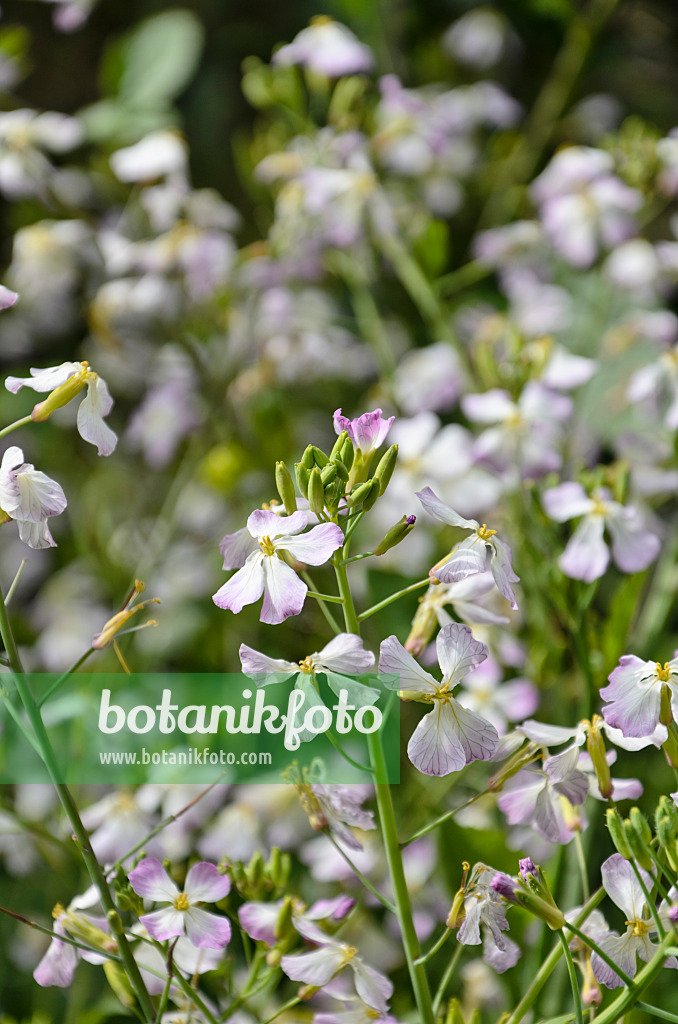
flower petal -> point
(236, 548)
(149, 879)
(245, 587)
(96, 404)
(264, 523)
(435, 747)
(206, 884)
(345, 653)
(439, 510)
(264, 669)
(207, 931)
(316, 546)
(586, 555)
(314, 968)
(394, 660)
(458, 652)
(164, 924)
(373, 987)
(284, 592)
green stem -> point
(332, 598)
(79, 831)
(329, 617)
(363, 878)
(447, 977)
(576, 994)
(581, 861)
(656, 1012)
(15, 581)
(194, 997)
(16, 715)
(394, 597)
(15, 426)
(434, 949)
(601, 952)
(650, 902)
(286, 1006)
(441, 820)
(63, 678)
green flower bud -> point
(285, 486)
(302, 478)
(596, 748)
(307, 460)
(454, 1014)
(342, 472)
(359, 493)
(319, 456)
(640, 825)
(278, 868)
(328, 474)
(395, 535)
(239, 877)
(283, 925)
(385, 467)
(371, 498)
(255, 870)
(617, 832)
(338, 445)
(119, 982)
(638, 849)
(316, 492)
(347, 453)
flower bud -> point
(316, 492)
(639, 850)
(596, 748)
(360, 493)
(640, 825)
(283, 925)
(319, 457)
(341, 469)
(328, 474)
(385, 467)
(348, 453)
(454, 1014)
(273, 957)
(519, 760)
(372, 496)
(254, 871)
(338, 445)
(307, 460)
(61, 395)
(395, 535)
(617, 832)
(119, 982)
(285, 486)
(456, 914)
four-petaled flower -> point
(470, 556)
(65, 382)
(259, 559)
(450, 736)
(586, 555)
(324, 963)
(634, 696)
(204, 884)
(30, 498)
(533, 797)
(367, 432)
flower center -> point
(58, 911)
(639, 927)
(307, 665)
(484, 533)
(599, 508)
(663, 672)
(181, 902)
(267, 546)
(347, 954)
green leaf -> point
(158, 58)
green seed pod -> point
(638, 849)
(307, 460)
(328, 474)
(395, 535)
(319, 456)
(302, 478)
(640, 825)
(617, 832)
(316, 492)
(285, 486)
(255, 870)
(338, 445)
(384, 470)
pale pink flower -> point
(183, 916)
(367, 432)
(327, 48)
(634, 694)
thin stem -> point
(329, 617)
(15, 426)
(447, 977)
(576, 994)
(434, 949)
(63, 678)
(60, 937)
(394, 597)
(357, 558)
(581, 861)
(16, 715)
(286, 1006)
(441, 820)
(656, 1012)
(15, 581)
(162, 1005)
(601, 952)
(347, 757)
(363, 878)
(194, 997)
(324, 597)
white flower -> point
(65, 382)
(30, 498)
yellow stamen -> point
(117, 621)
(663, 672)
(181, 902)
(639, 927)
(58, 911)
(267, 546)
(347, 954)
(484, 533)
(307, 665)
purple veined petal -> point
(245, 587)
(565, 776)
(500, 960)
(566, 501)
(477, 736)
(373, 987)
(46, 379)
(150, 880)
(622, 886)
(36, 535)
(439, 510)
(284, 592)
(345, 653)
(519, 795)
(657, 738)
(272, 670)
(58, 964)
(634, 697)
(491, 406)
(435, 747)
(622, 951)
(634, 547)
(545, 819)
(458, 652)
(586, 555)
(205, 883)
(316, 967)
(39, 496)
(236, 547)
(467, 559)
(205, 930)
(164, 924)
(96, 404)
(335, 908)
(551, 735)
(502, 570)
(259, 920)
(264, 523)
(395, 660)
(316, 546)
(7, 297)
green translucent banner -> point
(199, 728)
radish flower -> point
(203, 884)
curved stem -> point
(15, 426)
(434, 948)
(63, 678)
(601, 952)
(447, 977)
(571, 970)
(363, 878)
(394, 597)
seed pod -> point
(385, 467)
(316, 492)
(302, 478)
(285, 486)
